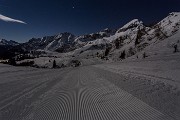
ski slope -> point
(84, 93)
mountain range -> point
(133, 37)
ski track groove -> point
(82, 94)
(91, 99)
(145, 89)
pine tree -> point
(12, 62)
(107, 51)
(175, 48)
(144, 55)
(97, 54)
(123, 55)
(54, 64)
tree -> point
(97, 54)
(144, 55)
(107, 51)
(54, 64)
(175, 48)
(123, 55)
(12, 61)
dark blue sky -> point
(49, 17)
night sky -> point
(49, 17)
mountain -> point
(170, 24)
(134, 37)
(6, 42)
(9, 49)
(64, 42)
(130, 39)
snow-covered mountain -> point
(65, 42)
(170, 24)
(6, 42)
(9, 49)
(62, 42)
(130, 39)
(134, 37)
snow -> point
(171, 23)
(162, 48)
(87, 46)
(6, 42)
(60, 40)
(55, 94)
(148, 87)
(132, 23)
(162, 68)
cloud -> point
(8, 19)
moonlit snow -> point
(85, 93)
(144, 85)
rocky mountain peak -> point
(132, 24)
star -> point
(73, 7)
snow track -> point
(71, 94)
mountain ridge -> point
(133, 36)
